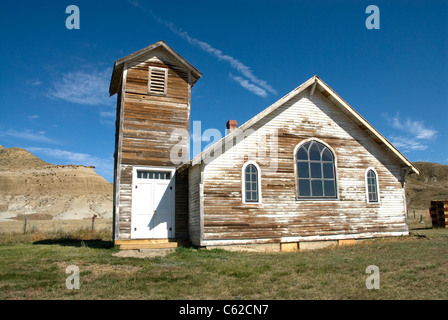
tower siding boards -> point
(194, 205)
(181, 202)
(149, 119)
(145, 123)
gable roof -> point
(119, 64)
(316, 84)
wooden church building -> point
(308, 169)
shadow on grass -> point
(94, 243)
(422, 228)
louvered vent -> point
(157, 80)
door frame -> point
(172, 170)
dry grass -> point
(33, 266)
(39, 229)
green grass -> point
(33, 267)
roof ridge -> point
(118, 65)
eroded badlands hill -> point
(31, 186)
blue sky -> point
(55, 81)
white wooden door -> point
(152, 204)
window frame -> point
(143, 174)
(157, 93)
(243, 183)
(367, 186)
(296, 173)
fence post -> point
(24, 224)
(93, 222)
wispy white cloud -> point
(107, 114)
(417, 128)
(206, 47)
(249, 86)
(29, 135)
(234, 63)
(416, 135)
(83, 87)
(33, 82)
(103, 166)
(406, 144)
(68, 156)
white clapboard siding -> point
(280, 216)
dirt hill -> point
(431, 184)
(31, 186)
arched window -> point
(251, 183)
(316, 175)
(372, 190)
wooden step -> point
(149, 243)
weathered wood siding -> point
(150, 119)
(280, 216)
(181, 203)
(194, 204)
(145, 127)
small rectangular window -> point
(157, 80)
(157, 175)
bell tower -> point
(153, 87)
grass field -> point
(33, 266)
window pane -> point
(316, 170)
(304, 188)
(303, 170)
(254, 186)
(316, 188)
(330, 190)
(326, 155)
(315, 152)
(253, 169)
(254, 177)
(255, 196)
(302, 154)
(328, 170)
(139, 174)
(248, 196)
